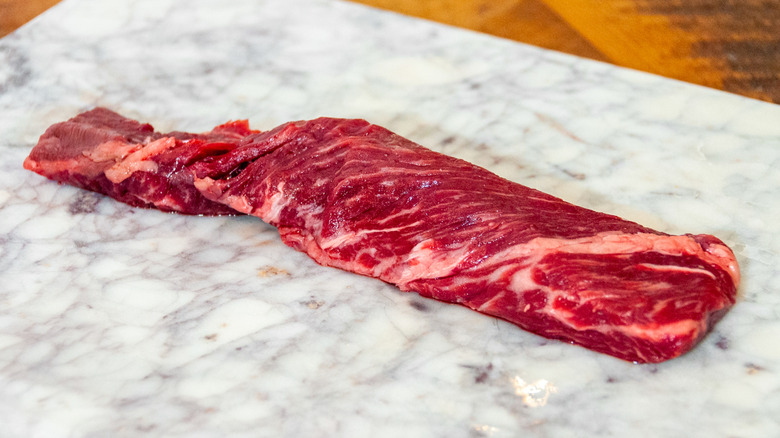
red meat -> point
(357, 197)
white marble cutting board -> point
(123, 322)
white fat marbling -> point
(122, 322)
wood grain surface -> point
(14, 13)
(733, 45)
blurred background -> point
(732, 45)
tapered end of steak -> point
(102, 151)
(86, 145)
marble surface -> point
(123, 322)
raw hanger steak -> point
(355, 196)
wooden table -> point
(732, 45)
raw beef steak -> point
(357, 197)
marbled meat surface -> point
(358, 197)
